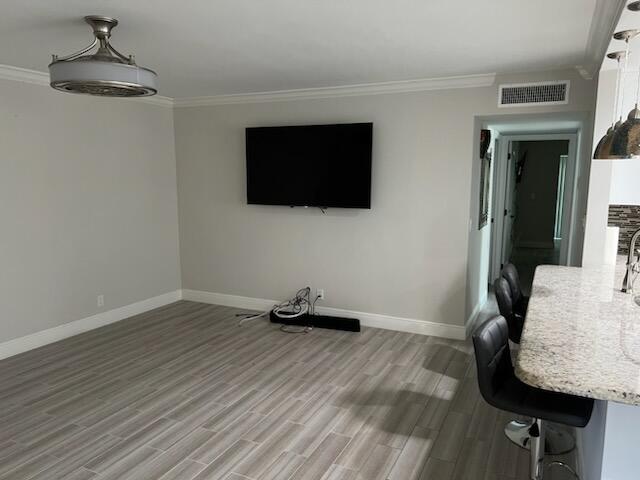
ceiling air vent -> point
(528, 94)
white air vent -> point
(528, 94)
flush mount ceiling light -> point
(105, 73)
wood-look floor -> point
(183, 392)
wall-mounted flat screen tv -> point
(312, 165)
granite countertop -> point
(582, 334)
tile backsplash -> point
(627, 217)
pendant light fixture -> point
(105, 73)
(603, 149)
(626, 139)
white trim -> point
(470, 326)
(404, 86)
(570, 207)
(34, 77)
(44, 337)
(227, 300)
(17, 74)
(585, 73)
(533, 84)
(606, 15)
(153, 100)
(376, 320)
(497, 177)
(400, 324)
(8, 72)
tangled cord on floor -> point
(295, 329)
(295, 307)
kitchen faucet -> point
(633, 265)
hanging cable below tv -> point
(300, 311)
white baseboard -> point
(44, 337)
(376, 320)
(472, 321)
(237, 301)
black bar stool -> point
(515, 321)
(517, 431)
(501, 388)
(557, 441)
(520, 300)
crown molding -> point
(8, 72)
(154, 100)
(404, 86)
(605, 18)
(34, 77)
(587, 73)
(17, 74)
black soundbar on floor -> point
(319, 321)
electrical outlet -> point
(320, 293)
(100, 300)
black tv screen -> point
(314, 165)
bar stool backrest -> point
(510, 274)
(493, 357)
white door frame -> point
(500, 182)
(499, 146)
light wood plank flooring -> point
(183, 392)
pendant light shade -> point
(622, 140)
(106, 73)
(603, 150)
(610, 148)
(626, 139)
(625, 142)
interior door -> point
(509, 203)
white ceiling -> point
(213, 47)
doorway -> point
(533, 203)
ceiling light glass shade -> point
(105, 73)
(103, 78)
(625, 142)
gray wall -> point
(591, 442)
(410, 256)
(537, 192)
(87, 206)
(404, 257)
(620, 453)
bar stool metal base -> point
(563, 465)
(557, 441)
(537, 466)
